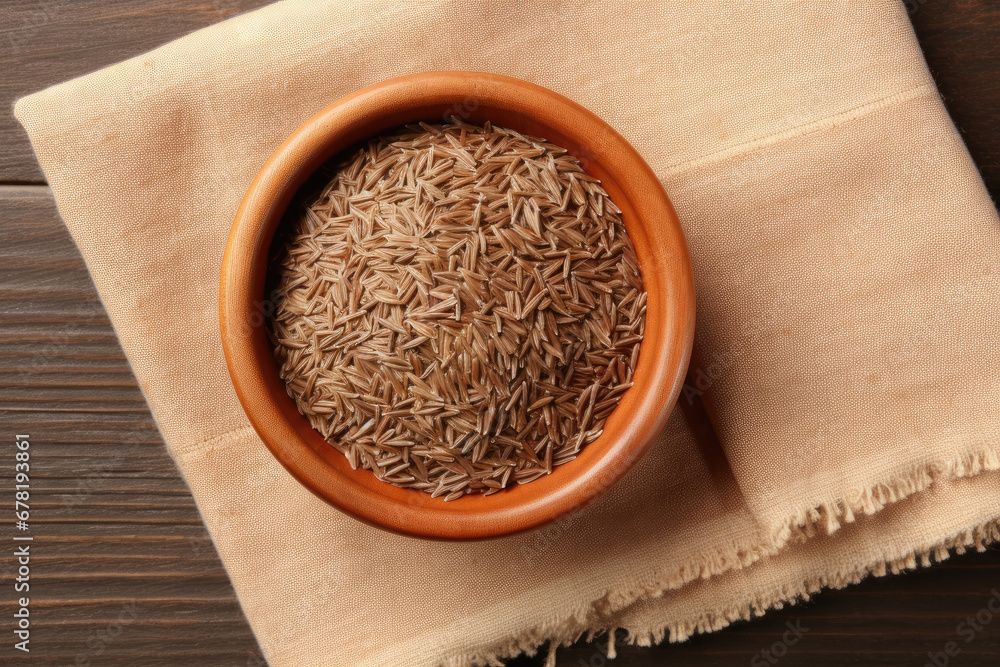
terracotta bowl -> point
(527, 108)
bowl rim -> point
(650, 221)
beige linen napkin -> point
(841, 419)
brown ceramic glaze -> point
(527, 108)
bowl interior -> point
(648, 217)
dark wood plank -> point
(119, 525)
(961, 42)
(894, 620)
(43, 42)
(115, 527)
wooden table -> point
(124, 572)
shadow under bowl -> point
(649, 219)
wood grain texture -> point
(961, 42)
(44, 42)
(125, 572)
(890, 621)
